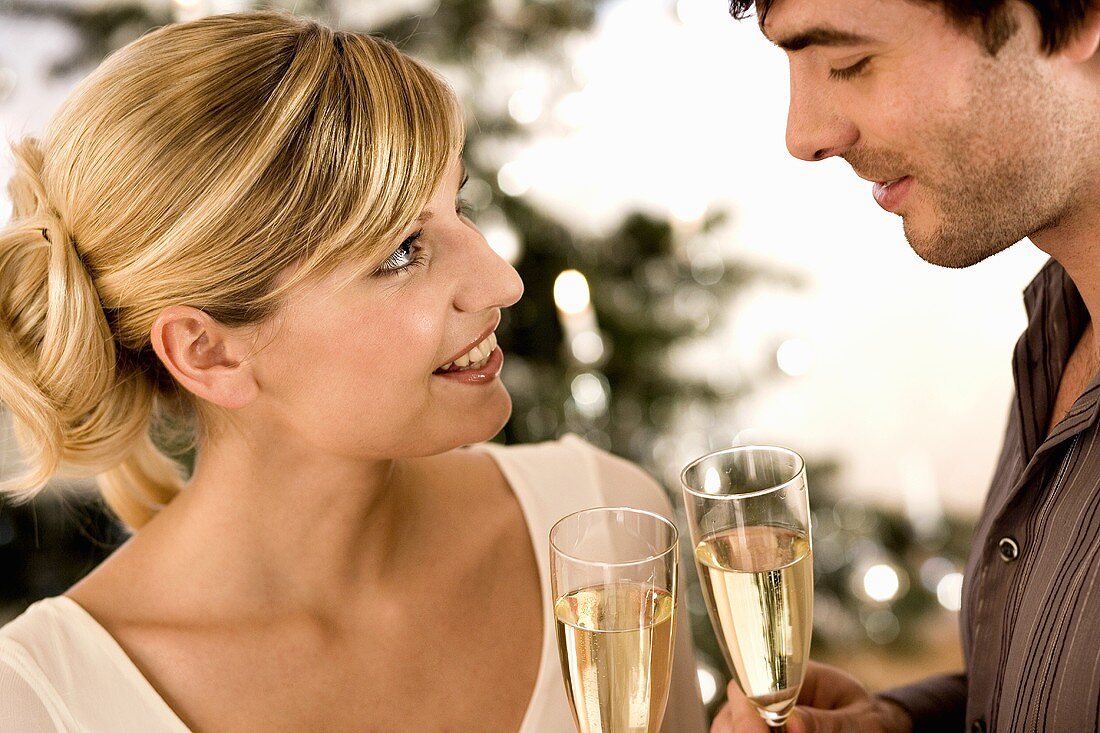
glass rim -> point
(573, 558)
(800, 464)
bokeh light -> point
(514, 179)
(708, 684)
(502, 239)
(571, 292)
(588, 347)
(590, 393)
(881, 583)
(949, 591)
(882, 626)
(525, 105)
(933, 570)
(794, 357)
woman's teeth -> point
(476, 358)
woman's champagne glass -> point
(613, 580)
(750, 525)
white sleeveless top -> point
(61, 672)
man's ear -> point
(1084, 45)
(207, 358)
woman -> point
(247, 229)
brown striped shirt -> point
(1031, 599)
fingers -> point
(831, 701)
(738, 715)
(723, 722)
(802, 722)
(829, 688)
(809, 720)
(860, 718)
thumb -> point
(798, 723)
(811, 720)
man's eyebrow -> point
(820, 37)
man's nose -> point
(815, 129)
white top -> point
(61, 672)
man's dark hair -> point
(1058, 19)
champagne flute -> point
(749, 515)
(613, 580)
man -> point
(979, 123)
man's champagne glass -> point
(613, 580)
(750, 525)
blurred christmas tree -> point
(591, 345)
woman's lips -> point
(477, 376)
(889, 195)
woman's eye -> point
(463, 208)
(849, 72)
(402, 258)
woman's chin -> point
(471, 425)
(491, 426)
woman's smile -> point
(480, 372)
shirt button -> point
(1008, 549)
(978, 726)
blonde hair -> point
(192, 167)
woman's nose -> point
(491, 283)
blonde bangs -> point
(385, 130)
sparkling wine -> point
(758, 583)
(615, 643)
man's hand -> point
(831, 701)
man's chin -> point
(954, 252)
(952, 260)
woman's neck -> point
(282, 530)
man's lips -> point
(890, 189)
(879, 178)
(890, 194)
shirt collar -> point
(1057, 317)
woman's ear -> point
(207, 358)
